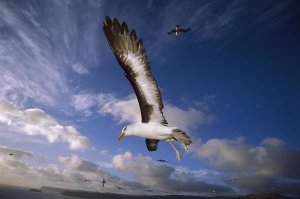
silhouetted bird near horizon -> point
(103, 182)
(120, 188)
(84, 180)
(162, 161)
(11, 154)
(177, 30)
(232, 180)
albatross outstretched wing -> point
(133, 59)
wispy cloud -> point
(214, 19)
(40, 43)
(16, 153)
(78, 68)
(209, 20)
(104, 152)
(36, 122)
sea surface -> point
(12, 192)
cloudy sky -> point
(232, 83)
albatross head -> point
(123, 134)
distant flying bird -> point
(11, 154)
(132, 57)
(103, 182)
(84, 180)
(162, 161)
(177, 30)
(232, 180)
(149, 190)
(120, 188)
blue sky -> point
(232, 82)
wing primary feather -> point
(140, 46)
(133, 35)
(108, 22)
(117, 26)
(124, 28)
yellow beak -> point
(121, 136)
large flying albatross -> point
(131, 56)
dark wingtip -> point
(124, 28)
(133, 35)
(108, 21)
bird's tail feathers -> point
(182, 138)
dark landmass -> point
(35, 190)
(97, 195)
(264, 196)
(52, 189)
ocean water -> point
(12, 192)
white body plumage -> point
(151, 130)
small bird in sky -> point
(11, 154)
(120, 188)
(84, 180)
(232, 180)
(132, 58)
(103, 182)
(162, 161)
(177, 30)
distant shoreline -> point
(10, 190)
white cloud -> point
(271, 158)
(268, 167)
(17, 153)
(18, 170)
(78, 164)
(37, 122)
(123, 110)
(163, 177)
(85, 102)
(127, 110)
(191, 118)
(78, 68)
(76, 168)
(104, 152)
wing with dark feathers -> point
(184, 30)
(133, 59)
(172, 31)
